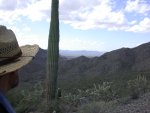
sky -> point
(97, 25)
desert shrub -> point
(71, 98)
(137, 86)
(29, 99)
(100, 92)
(104, 92)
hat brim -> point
(28, 53)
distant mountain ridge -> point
(122, 60)
(77, 53)
(118, 61)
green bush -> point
(137, 86)
(100, 92)
(29, 99)
(103, 92)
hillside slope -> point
(118, 61)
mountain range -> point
(77, 53)
(121, 61)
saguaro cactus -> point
(53, 56)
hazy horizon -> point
(98, 50)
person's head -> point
(12, 58)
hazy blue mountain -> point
(77, 53)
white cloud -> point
(98, 14)
(133, 22)
(103, 14)
(36, 10)
(139, 6)
(80, 14)
(143, 26)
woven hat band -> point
(7, 60)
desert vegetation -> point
(111, 83)
(100, 97)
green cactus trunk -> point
(53, 56)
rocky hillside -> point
(118, 61)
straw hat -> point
(13, 57)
